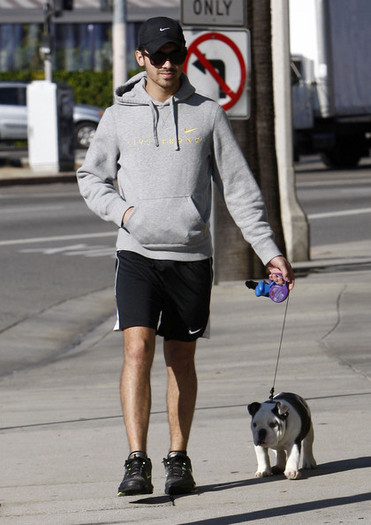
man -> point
(164, 143)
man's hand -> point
(280, 265)
(127, 215)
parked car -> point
(13, 116)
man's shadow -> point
(323, 469)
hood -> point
(133, 93)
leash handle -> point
(279, 347)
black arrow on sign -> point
(220, 68)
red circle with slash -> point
(194, 49)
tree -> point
(256, 137)
(261, 153)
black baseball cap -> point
(158, 31)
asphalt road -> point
(337, 203)
(52, 248)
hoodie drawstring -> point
(155, 119)
(175, 120)
(154, 122)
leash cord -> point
(279, 348)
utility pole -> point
(294, 221)
(119, 43)
(46, 47)
(46, 43)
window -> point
(13, 96)
(76, 47)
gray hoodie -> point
(164, 157)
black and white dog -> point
(283, 424)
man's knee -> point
(180, 356)
(139, 345)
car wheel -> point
(84, 133)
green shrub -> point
(89, 87)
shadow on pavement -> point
(323, 470)
(285, 510)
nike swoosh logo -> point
(164, 28)
(189, 130)
(193, 332)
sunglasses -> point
(158, 59)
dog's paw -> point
(264, 474)
(292, 474)
(309, 464)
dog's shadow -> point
(342, 465)
(324, 469)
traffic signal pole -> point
(46, 44)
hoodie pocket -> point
(166, 223)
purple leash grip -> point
(276, 292)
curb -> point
(38, 179)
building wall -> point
(81, 38)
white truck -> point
(330, 45)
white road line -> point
(327, 215)
(34, 240)
(332, 182)
(73, 250)
(30, 209)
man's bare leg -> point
(181, 390)
(181, 401)
(139, 349)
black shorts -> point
(170, 296)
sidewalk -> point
(15, 169)
(63, 443)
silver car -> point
(13, 116)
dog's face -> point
(268, 423)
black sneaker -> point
(137, 479)
(179, 478)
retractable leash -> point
(271, 394)
(277, 293)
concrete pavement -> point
(62, 437)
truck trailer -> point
(330, 46)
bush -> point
(90, 87)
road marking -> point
(28, 209)
(332, 182)
(72, 250)
(33, 240)
(327, 215)
(55, 250)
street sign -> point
(224, 13)
(218, 65)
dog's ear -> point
(281, 410)
(253, 408)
